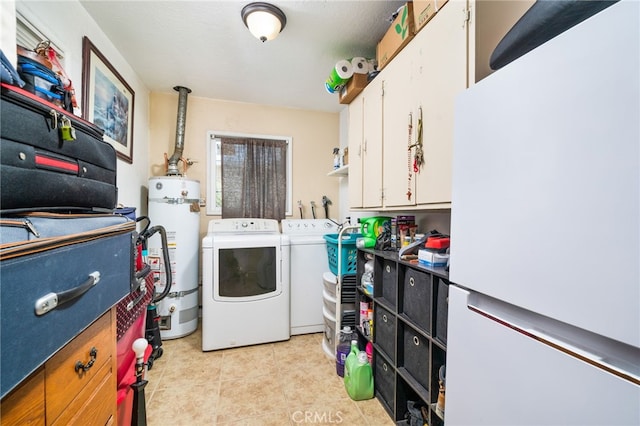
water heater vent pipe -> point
(172, 166)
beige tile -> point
(275, 418)
(282, 383)
(247, 362)
(194, 369)
(184, 405)
(341, 412)
(252, 396)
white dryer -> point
(245, 283)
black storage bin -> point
(384, 329)
(416, 298)
(415, 358)
(389, 280)
(384, 380)
(442, 311)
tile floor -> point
(282, 383)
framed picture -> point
(107, 100)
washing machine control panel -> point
(309, 226)
(244, 225)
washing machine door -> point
(247, 268)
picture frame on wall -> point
(107, 100)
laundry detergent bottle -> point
(358, 375)
(343, 349)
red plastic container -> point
(437, 242)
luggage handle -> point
(50, 301)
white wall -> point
(65, 23)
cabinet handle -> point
(388, 269)
(384, 317)
(412, 282)
(416, 341)
(50, 301)
(93, 353)
(384, 367)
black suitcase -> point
(40, 170)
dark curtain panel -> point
(254, 178)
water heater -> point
(174, 203)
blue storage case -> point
(59, 274)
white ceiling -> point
(205, 46)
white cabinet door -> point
(355, 152)
(372, 145)
(440, 75)
(396, 108)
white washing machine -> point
(308, 264)
(245, 283)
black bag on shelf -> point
(50, 159)
(44, 83)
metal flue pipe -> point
(172, 167)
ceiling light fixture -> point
(264, 20)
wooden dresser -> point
(72, 387)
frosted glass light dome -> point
(264, 20)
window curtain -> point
(253, 178)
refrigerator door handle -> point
(604, 353)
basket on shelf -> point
(348, 253)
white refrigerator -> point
(544, 306)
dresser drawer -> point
(64, 383)
(95, 404)
(25, 404)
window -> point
(228, 162)
(28, 36)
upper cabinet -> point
(440, 74)
(365, 147)
(355, 151)
(416, 92)
(397, 106)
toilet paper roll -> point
(343, 69)
(360, 65)
(339, 76)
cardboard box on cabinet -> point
(424, 10)
(354, 86)
(398, 35)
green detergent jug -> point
(358, 376)
(370, 229)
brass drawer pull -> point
(93, 353)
